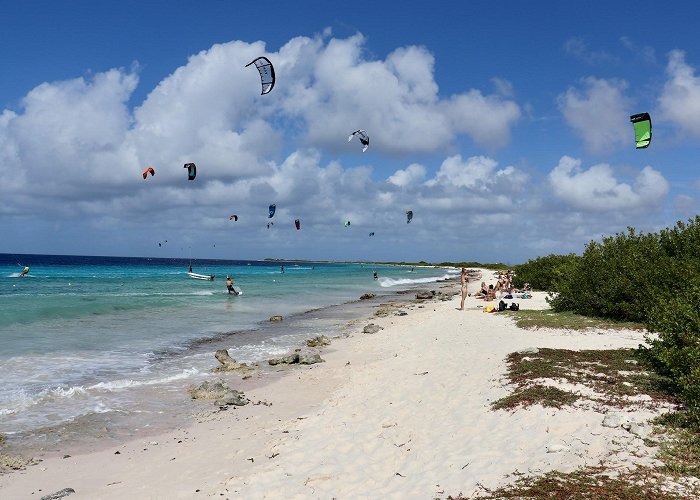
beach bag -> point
(514, 307)
(509, 296)
(489, 309)
(502, 306)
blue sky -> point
(505, 127)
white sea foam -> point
(69, 392)
(116, 385)
(385, 282)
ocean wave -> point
(116, 385)
(69, 392)
(21, 400)
(385, 282)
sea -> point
(95, 347)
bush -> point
(675, 349)
(613, 279)
(544, 273)
(649, 278)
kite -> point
(364, 138)
(347, 223)
(371, 234)
(191, 171)
(267, 73)
(297, 223)
(409, 216)
(270, 224)
(233, 218)
(642, 129)
(149, 170)
(272, 209)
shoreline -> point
(402, 412)
(94, 432)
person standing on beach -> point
(463, 281)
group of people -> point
(504, 286)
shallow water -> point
(89, 340)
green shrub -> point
(651, 278)
(544, 273)
(613, 279)
(674, 350)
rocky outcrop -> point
(276, 318)
(228, 364)
(372, 328)
(297, 358)
(221, 393)
(309, 358)
(59, 494)
(367, 296)
(14, 462)
(432, 294)
(320, 341)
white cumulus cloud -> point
(680, 100)
(597, 189)
(599, 113)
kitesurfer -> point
(25, 271)
(282, 269)
(375, 275)
(229, 285)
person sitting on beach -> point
(483, 292)
(526, 288)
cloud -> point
(396, 100)
(412, 174)
(597, 189)
(503, 86)
(680, 99)
(578, 48)
(684, 205)
(644, 53)
(74, 152)
(598, 113)
(69, 141)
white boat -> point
(207, 277)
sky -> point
(503, 126)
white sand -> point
(403, 413)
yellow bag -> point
(489, 309)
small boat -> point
(207, 277)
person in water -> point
(229, 286)
(282, 268)
(190, 267)
(375, 275)
(25, 271)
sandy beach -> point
(401, 413)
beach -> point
(401, 413)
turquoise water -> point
(81, 336)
